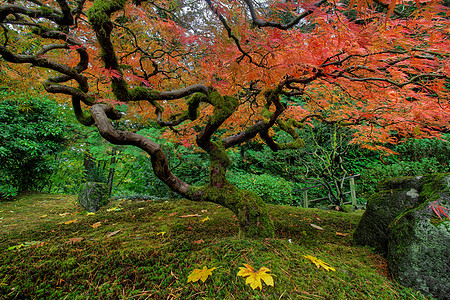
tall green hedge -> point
(30, 133)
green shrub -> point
(272, 189)
(30, 133)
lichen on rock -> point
(401, 223)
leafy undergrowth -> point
(51, 249)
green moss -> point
(219, 154)
(223, 107)
(46, 10)
(297, 144)
(193, 104)
(266, 113)
(120, 90)
(142, 93)
(435, 185)
(137, 262)
(100, 11)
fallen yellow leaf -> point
(200, 274)
(115, 208)
(319, 263)
(162, 233)
(205, 219)
(96, 225)
(43, 216)
(254, 278)
(90, 214)
(70, 222)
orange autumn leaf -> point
(254, 277)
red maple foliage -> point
(251, 67)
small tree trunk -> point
(250, 209)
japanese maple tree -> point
(219, 73)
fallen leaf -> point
(205, 219)
(190, 216)
(319, 263)
(27, 244)
(64, 214)
(90, 214)
(173, 214)
(16, 247)
(96, 225)
(341, 234)
(198, 242)
(60, 281)
(162, 233)
(70, 222)
(43, 216)
(254, 278)
(74, 240)
(204, 210)
(115, 208)
(316, 226)
(200, 274)
(110, 234)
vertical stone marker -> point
(93, 195)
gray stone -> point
(419, 249)
(93, 195)
(381, 210)
(414, 238)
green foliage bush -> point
(30, 133)
(272, 189)
(187, 164)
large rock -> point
(400, 222)
(93, 195)
(394, 196)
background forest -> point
(45, 149)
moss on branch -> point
(224, 106)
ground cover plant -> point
(217, 74)
(51, 249)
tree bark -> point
(250, 209)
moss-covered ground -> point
(51, 249)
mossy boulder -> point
(394, 196)
(93, 195)
(405, 221)
(419, 249)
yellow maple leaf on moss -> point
(319, 263)
(254, 277)
(200, 274)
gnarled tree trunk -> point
(250, 209)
